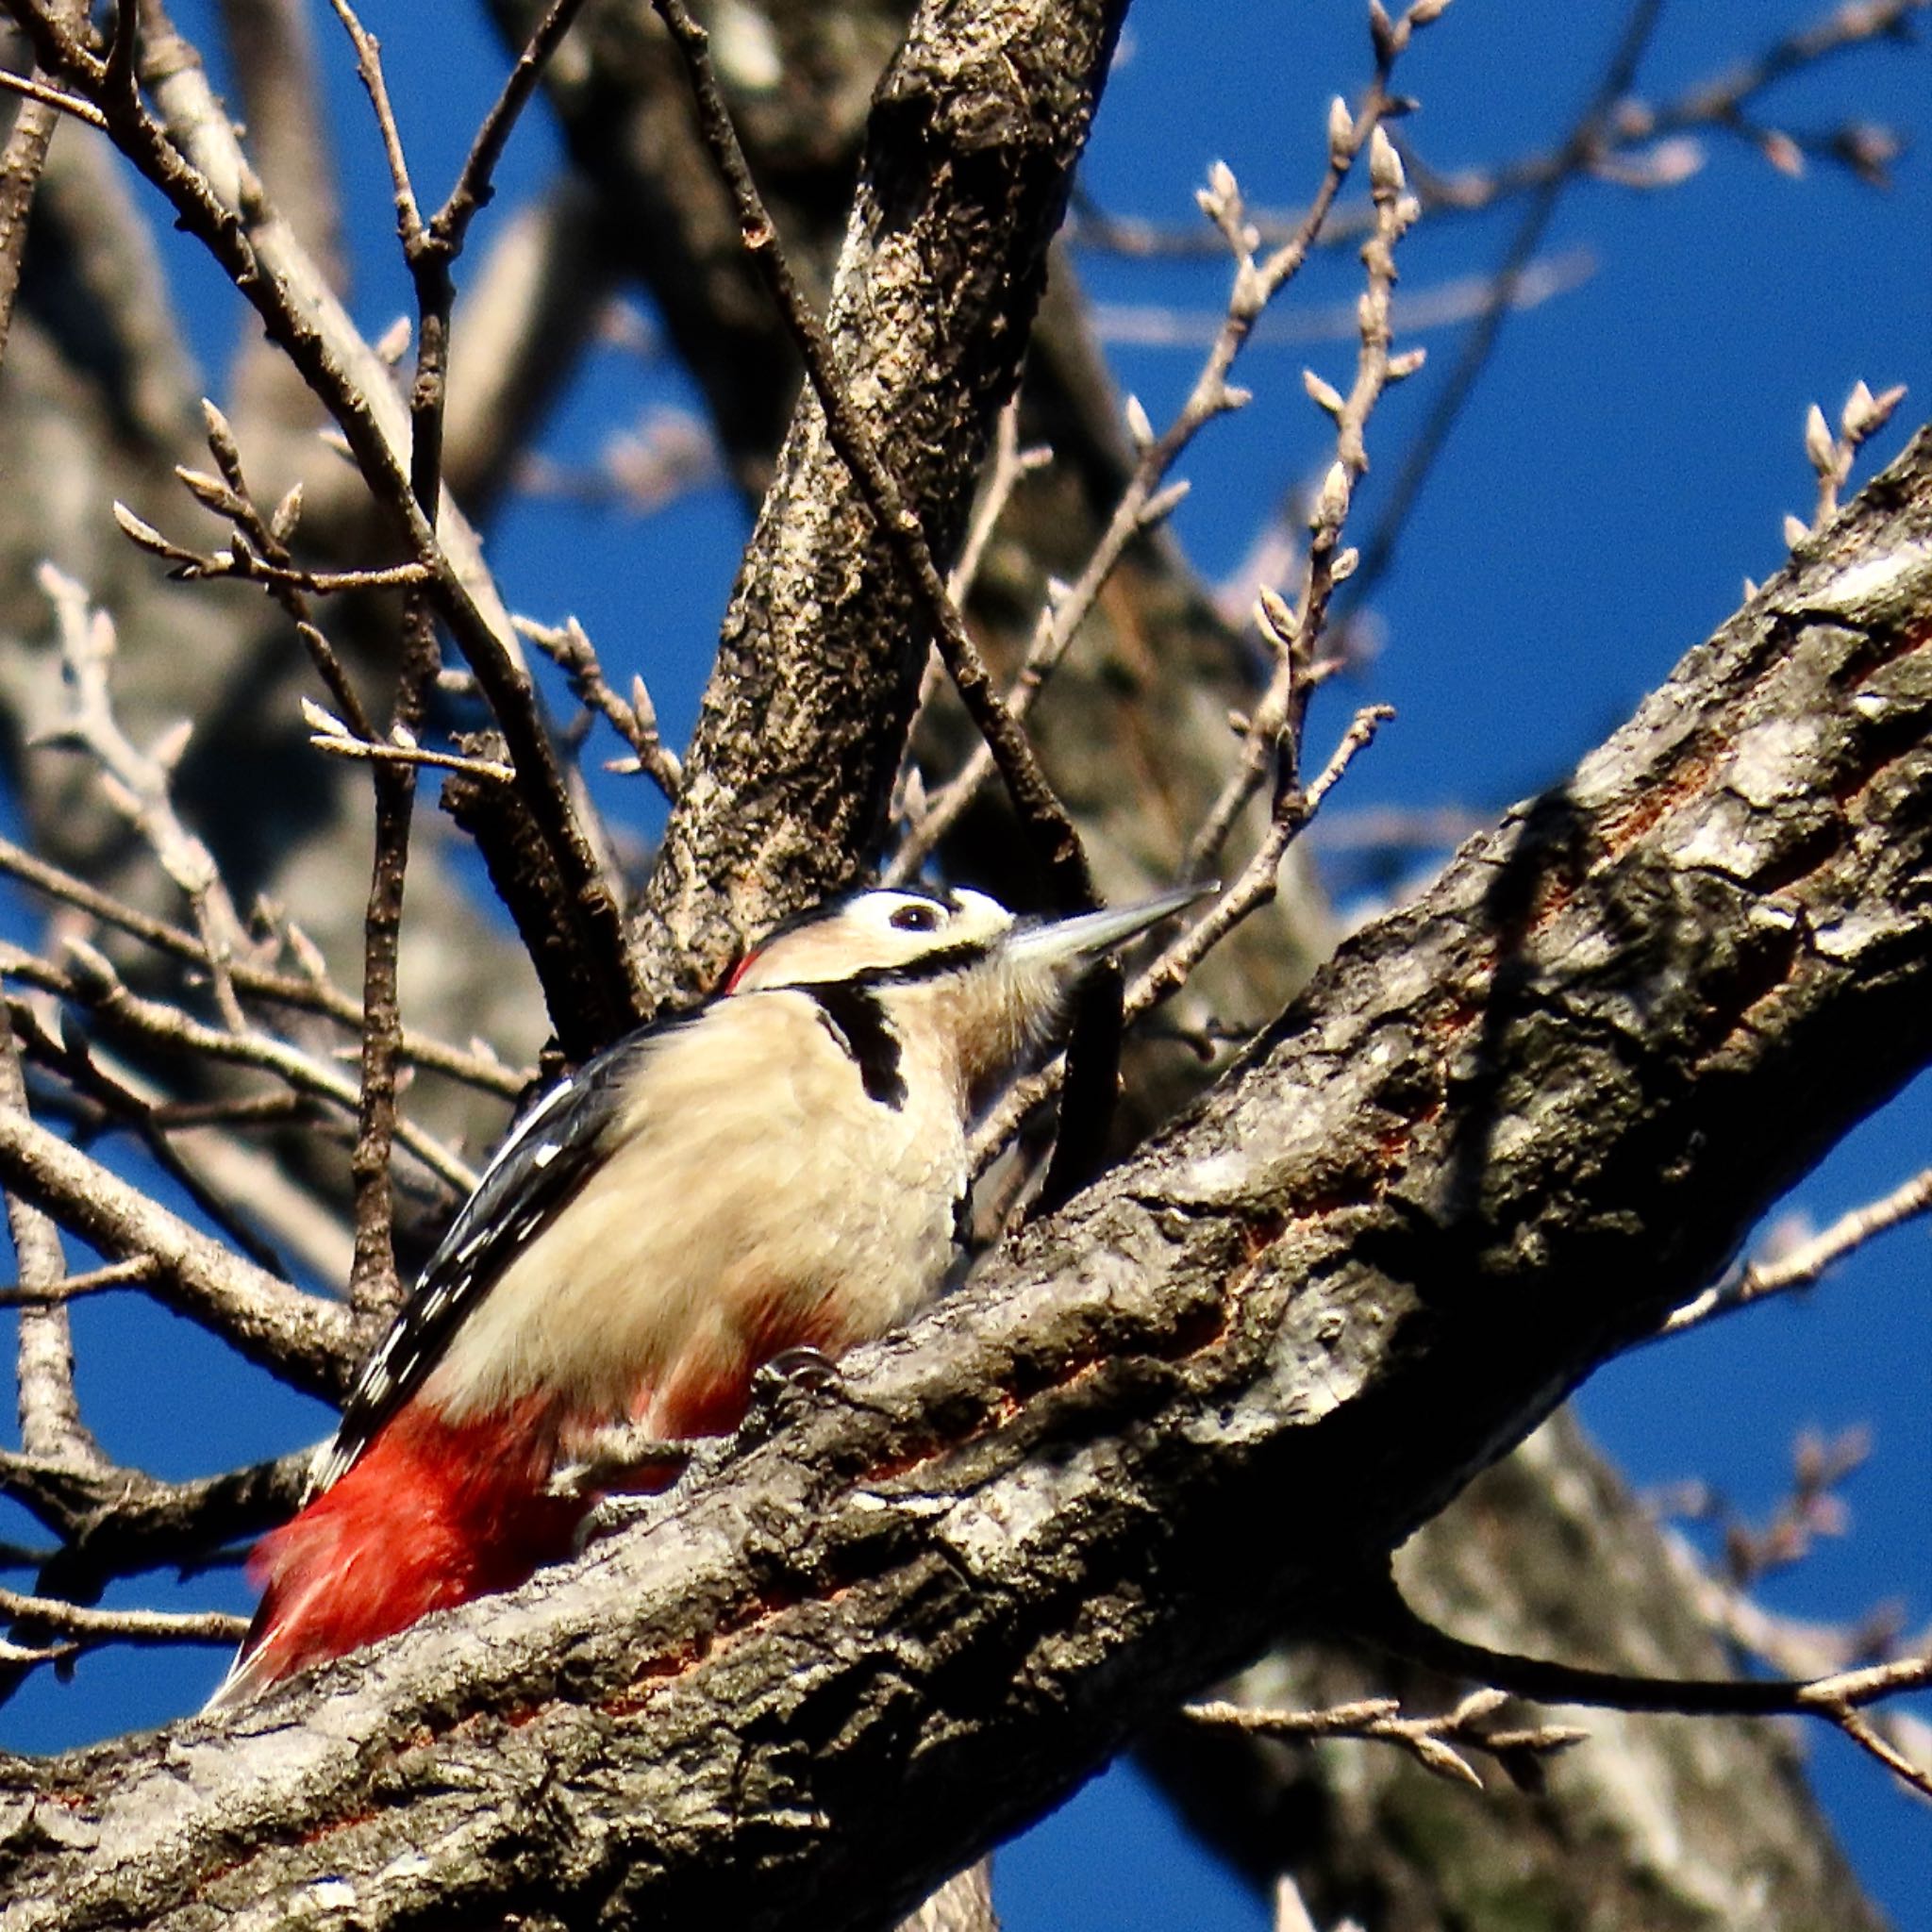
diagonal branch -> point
(301, 1336)
(1501, 1134)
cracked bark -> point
(1500, 1134)
(974, 133)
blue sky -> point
(1624, 465)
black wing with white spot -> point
(549, 1155)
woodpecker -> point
(780, 1169)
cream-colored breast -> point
(756, 1195)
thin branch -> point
(311, 990)
(1388, 1623)
(90, 1627)
(32, 87)
(21, 160)
(1430, 1740)
(1803, 1265)
(262, 545)
(130, 1274)
(1274, 730)
(338, 744)
(1260, 878)
(1639, 146)
(300, 1336)
(137, 783)
(237, 222)
(269, 566)
(1172, 969)
(429, 251)
(285, 103)
(117, 1522)
(122, 1102)
(1012, 465)
(569, 647)
(369, 72)
(49, 1412)
(1832, 457)
(1145, 502)
(1273, 733)
(93, 985)
(1051, 831)
(474, 185)
(1450, 399)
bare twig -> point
(1430, 1740)
(569, 647)
(1273, 735)
(1799, 1649)
(474, 184)
(130, 1274)
(125, 1102)
(429, 251)
(137, 783)
(1257, 885)
(1147, 499)
(115, 1522)
(1639, 145)
(31, 87)
(49, 1412)
(1052, 832)
(88, 1627)
(1010, 467)
(1812, 1507)
(1801, 1266)
(311, 990)
(93, 985)
(245, 564)
(329, 734)
(1383, 1618)
(1456, 391)
(1831, 456)
(21, 160)
(301, 1336)
(1274, 729)
(193, 157)
(1260, 878)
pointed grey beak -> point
(1087, 936)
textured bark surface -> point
(1499, 1134)
(973, 135)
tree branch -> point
(973, 139)
(1503, 1131)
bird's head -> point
(985, 985)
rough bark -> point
(973, 135)
(1499, 1134)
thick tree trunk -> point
(1500, 1135)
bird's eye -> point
(916, 918)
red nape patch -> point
(433, 1514)
(743, 966)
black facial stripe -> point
(927, 966)
(857, 1021)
